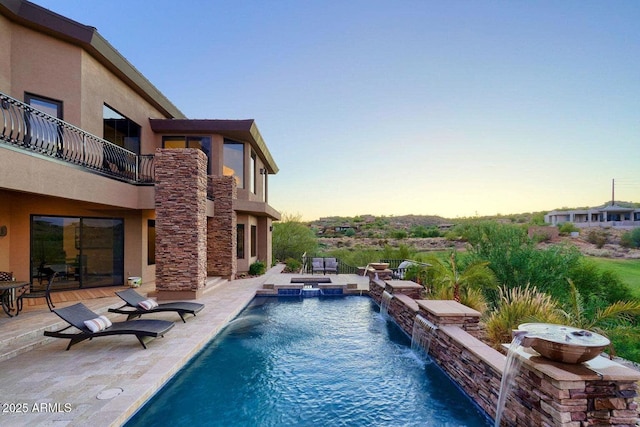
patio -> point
(102, 382)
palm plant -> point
(447, 277)
(601, 320)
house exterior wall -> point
(53, 57)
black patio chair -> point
(46, 294)
(76, 315)
(133, 309)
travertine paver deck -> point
(102, 382)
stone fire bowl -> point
(562, 343)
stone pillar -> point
(221, 229)
(450, 313)
(180, 198)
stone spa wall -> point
(545, 393)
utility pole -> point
(613, 191)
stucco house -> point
(607, 215)
(103, 178)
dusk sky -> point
(451, 108)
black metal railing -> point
(25, 128)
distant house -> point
(610, 215)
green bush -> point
(293, 265)
(257, 268)
(597, 237)
(631, 239)
(567, 228)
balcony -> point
(26, 129)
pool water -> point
(310, 362)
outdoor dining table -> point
(8, 295)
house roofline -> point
(242, 130)
(45, 21)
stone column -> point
(181, 224)
(221, 229)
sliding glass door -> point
(85, 252)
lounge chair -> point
(132, 307)
(330, 265)
(76, 315)
(317, 264)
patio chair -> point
(80, 317)
(330, 265)
(135, 306)
(46, 294)
(317, 264)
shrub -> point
(293, 265)
(291, 238)
(516, 306)
(597, 237)
(257, 268)
(631, 239)
(567, 228)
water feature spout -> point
(561, 343)
(522, 337)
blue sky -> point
(451, 108)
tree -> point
(292, 238)
(449, 278)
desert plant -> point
(597, 237)
(459, 279)
(631, 239)
(620, 313)
(257, 268)
(291, 238)
(292, 265)
(516, 306)
(567, 228)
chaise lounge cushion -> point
(148, 304)
(98, 324)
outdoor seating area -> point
(324, 265)
(91, 325)
(136, 305)
(9, 292)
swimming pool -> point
(310, 362)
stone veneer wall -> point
(222, 241)
(180, 199)
(547, 393)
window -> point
(234, 161)
(254, 240)
(120, 130)
(46, 105)
(201, 142)
(240, 241)
(252, 171)
(41, 131)
(151, 241)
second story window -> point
(201, 142)
(43, 132)
(252, 171)
(234, 161)
(46, 105)
(120, 130)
